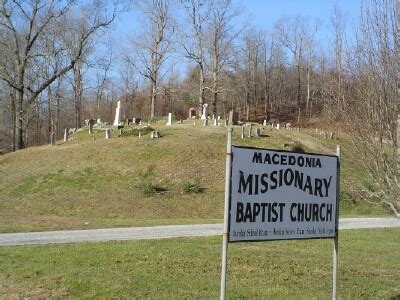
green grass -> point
(88, 183)
(190, 268)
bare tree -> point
(23, 24)
(222, 33)
(373, 108)
(154, 43)
(193, 42)
(297, 35)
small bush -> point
(135, 131)
(190, 186)
(150, 187)
(297, 147)
(147, 183)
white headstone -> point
(215, 123)
(66, 135)
(108, 133)
(53, 138)
(277, 126)
(250, 129)
(169, 122)
(265, 123)
(242, 136)
(98, 121)
(205, 122)
(117, 119)
(204, 115)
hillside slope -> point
(91, 182)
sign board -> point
(280, 195)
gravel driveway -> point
(156, 232)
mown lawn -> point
(92, 183)
(369, 267)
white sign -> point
(280, 195)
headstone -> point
(66, 135)
(233, 117)
(140, 134)
(204, 114)
(332, 135)
(194, 123)
(154, 134)
(225, 122)
(117, 119)
(180, 121)
(140, 122)
(53, 138)
(265, 123)
(219, 118)
(242, 136)
(288, 126)
(90, 128)
(169, 123)
(108, 133)
(136, 121)
(215, 123)
(192, 112)
(98, 121)
(258, 131)
(205, 123)
(250, 129)
(278, 126)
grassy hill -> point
(91, 182)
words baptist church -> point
(286, 171)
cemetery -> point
(129, 174)
(199, 149)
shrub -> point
(135, 131)
(297, 147)
(150, 187)
(147, 183)
(190, 186)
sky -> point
(263, 14)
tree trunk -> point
(13, 117)
(19, 141)
(153, 97)
(308, 111)
(201, 90)
(49, 119)
(78, 93)
(267, 100)
(215, 93)
(298, 94)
